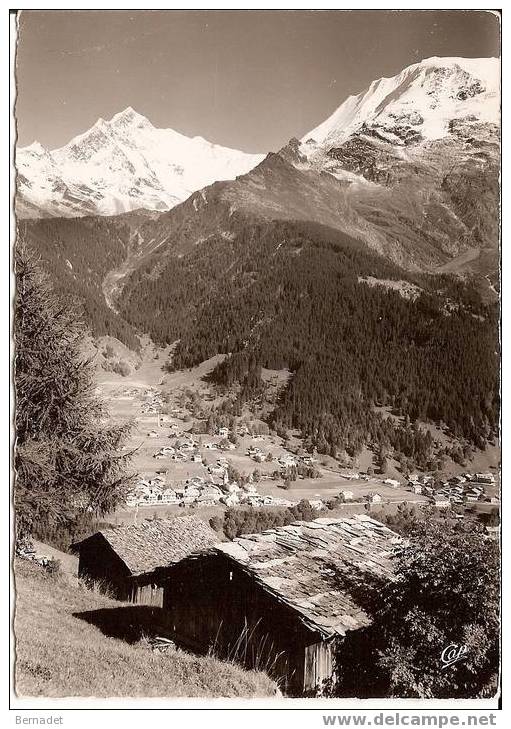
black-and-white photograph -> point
(256, 355)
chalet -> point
(272, 595)
(179, 457)
(226, 445)
(316, 504)
(347, 495)
(457, 480)
(217, 471)
(212, 490)
(392, 482)
(349, 475)
(169, 496)
(374, 498)
(415, 487)
(486, 478)
(287, 460)
(124, 560)
(230, 499)
(188, 445)
(441, 502)
(472, 497)
(192, 491)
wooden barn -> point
(269, 601)
(126, 559)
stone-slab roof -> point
(151, 544)
(296, 564)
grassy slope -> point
(58, 654)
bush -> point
(121, 368)
(53, 567)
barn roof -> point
(295, 563)
(158, 543)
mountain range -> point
(333, 257)
(120, 165)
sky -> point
(250, 80)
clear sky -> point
(245, 79)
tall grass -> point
(250, 649)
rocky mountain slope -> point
(410, 167)
(121, 165)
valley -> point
(209, 490)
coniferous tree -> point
(67, 459)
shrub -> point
(53, 567)
(121, 368)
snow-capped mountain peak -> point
(36, 148)
(130, 118)
(120, 165)
(423, 99)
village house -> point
(349, 475)
(273, 594)
(179, 457)
(287, 460)
(486, 478)
(188, 445)
(392, 482)
(226, 445)
(218, 471)
(316, 504)
(374, 498)
(145, 494)
(230, 499)
(441, 502)
(124, 559)
(347, 495)
(169, 496)
(415, 487)
(457, 480)
(472, 496)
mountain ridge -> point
(120, 165)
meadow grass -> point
(59, 654)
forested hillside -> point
(290, 294)
(356, 331)
(76, 254)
